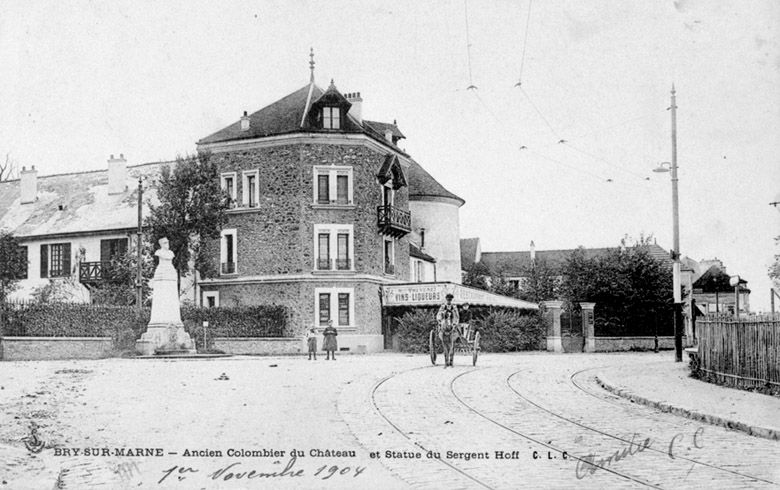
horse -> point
(449, 333)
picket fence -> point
(743, 352)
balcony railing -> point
(324, 264)
(93, 272)
(343, 264)
(390, 269)
(228, 267)
(393, 221)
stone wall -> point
(277, 237)
(46, 348)
(260, 346)
(299, 297)
(613, 344)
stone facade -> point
(275, 255)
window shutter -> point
(44, 261)
(66, 259)
(122, 247)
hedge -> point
(124, 324)
(501, 330)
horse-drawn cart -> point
(467, 342)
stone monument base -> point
(165, 339)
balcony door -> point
(112, 248)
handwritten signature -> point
(589, 464)
(236, 471)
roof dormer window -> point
(331, 118)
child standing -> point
(311, 339)
(329, 345)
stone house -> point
(327, 209)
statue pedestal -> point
(165, 339)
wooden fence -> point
(744, 352)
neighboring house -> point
(328, 208)
(513, 265)
(714, 293)
(72, 225)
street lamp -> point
(672, 167)
(664, 167)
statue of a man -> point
(165, 269)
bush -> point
(124, 324)
(413, 329)
(500, 330)
(511, 331)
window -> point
(342, 189)
(331, 118)
(324, 308)
(323, 254)
(343, 300)
(333, 238)
(112, 248)
(342, 250)
(251, 192)
(210, 299)
(337, 304)
(55, 260)
(389, 257)
(323, 189)
(387, 195)
(227, 252)
(228, 184)
(333, 185)
(23, 253)
(419, 271)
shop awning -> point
(433, 293)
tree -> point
(8, 169)
(118, 286)
(627, 284)
(191, 212)
(774, 269)
(541, 282)
(13, 264)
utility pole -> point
(676, 251)
(138, 266)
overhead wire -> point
(525, 45)
(468, 46)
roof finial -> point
(311, 64)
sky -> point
(82, 80)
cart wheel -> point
(475, 349)
(432, 346)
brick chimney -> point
(117, 174)
(245, 122)
(29, 185)
(356, 110)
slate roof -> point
(286, 116)
(414, 251)
(515, 263)
(468, 252)
(380, 128)
(86, 205)
(422, 185)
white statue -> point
(165, 333)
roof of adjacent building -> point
(423, 187)
(516, 263)
(716, 280)
(74, 203)
(414, 251)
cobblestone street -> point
(526, 420)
